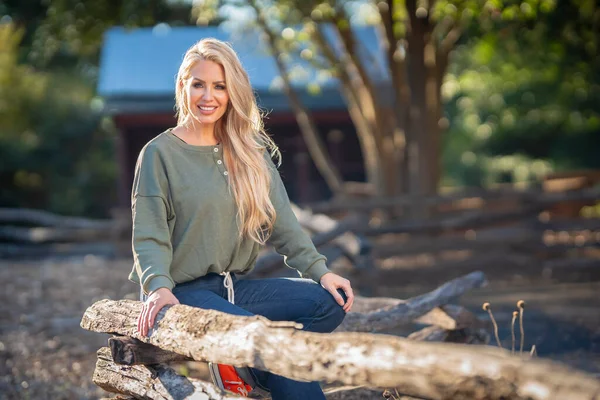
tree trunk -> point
(420, 369)
(307, 126)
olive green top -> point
(184, 218)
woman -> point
(205, 196)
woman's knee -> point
(333, 312)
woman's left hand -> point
(332, 282)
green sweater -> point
(184, 219)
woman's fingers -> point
(139, 320)
(154, 309)
(143, 317)
(338, 298)
(349, 295)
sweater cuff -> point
(317, 270)
(157, 282)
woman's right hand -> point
(155, 302)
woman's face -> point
(207, 92)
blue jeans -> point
(279, 299)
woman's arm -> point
(295, 245)
(151, 236)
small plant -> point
(487, 307)
(512, 330)
(521, 306)
(519, 313)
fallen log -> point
(162, 383)
(45, 218)
(272, 260)
(158, 382)
(478, 240)
(129, 351)
(420, 369)
(467, 220)
(449, 316)
(411, 309)
(533, 196)
(321, 223)
(59, 234)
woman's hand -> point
(332, 282)
(155, 302)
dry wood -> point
(162, 382)
(129, 351)
(269, 262)
(449, 317)
(437, 334)
(44, 218)
(474, 240)
(411, 309)
(467, 220)
(152, 383)
(321, 223)
(46, 235)
(420, 369)
(29, 251)
(532, 196)
(457, 326)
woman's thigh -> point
(284, 299)
(207, 294)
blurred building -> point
(137, 80)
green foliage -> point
(56, 152)
(525, 101)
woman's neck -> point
(197, 134)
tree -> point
(55, 146)
(524, 102)
(399, 124)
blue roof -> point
(138, 68)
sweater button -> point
(225, 173)
(219, 162)
(216, 149)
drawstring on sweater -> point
(228, 283)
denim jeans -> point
(278, 299)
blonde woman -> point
(205, 197)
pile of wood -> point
(505, 229)
(32, 234)
(361, 364)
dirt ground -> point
(44, 354)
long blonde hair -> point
(241, 132)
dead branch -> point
(411, 309)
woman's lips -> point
(207, 110)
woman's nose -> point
(207, 93)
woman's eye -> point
(197, 85)
(220, 87)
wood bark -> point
(446, 319)
(406, 312)
(420, 369)
(157, 382)
(162, 383)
